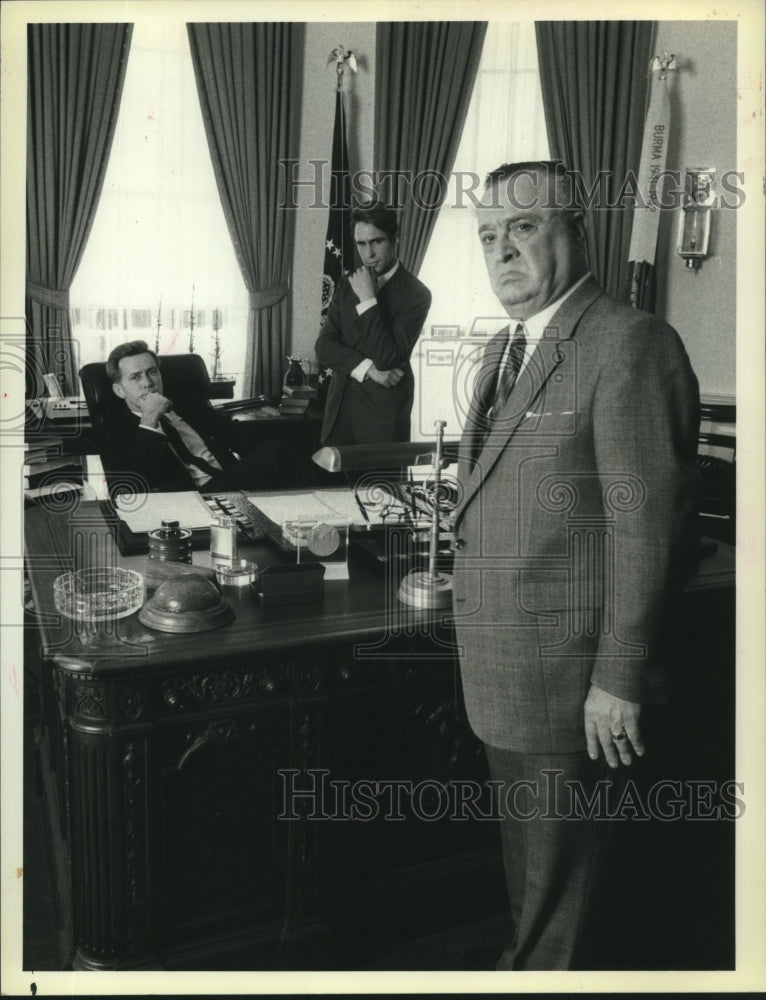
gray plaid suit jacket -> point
(576, 525)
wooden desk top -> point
(355, 608)
(364, 607)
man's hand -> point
(612, 722)
(388, 379)
(154, 405)
(363, 283)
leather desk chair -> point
(184, 376)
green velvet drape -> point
(75, 78)
(248, 79)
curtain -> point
(248, 79)
(594, 81)
(424, 76)
(75, 77)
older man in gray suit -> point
(573, 533)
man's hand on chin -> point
(363, 283)
(153, 407)
(611, 723)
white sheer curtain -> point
(505, 123)
(159, 235)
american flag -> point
(339, 247)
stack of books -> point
(48, 470)
(298, 401)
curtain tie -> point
(54, 298)
(265, 298)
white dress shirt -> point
(534, 327)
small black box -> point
(291, 583)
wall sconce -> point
(698, 201)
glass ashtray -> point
(98, 595)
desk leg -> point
(109, 850)
(305, 941)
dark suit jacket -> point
(135, 454)
(386, 334)
(576, 524)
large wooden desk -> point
(168, 759)
(162, 758)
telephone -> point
(56, 405)
(58, 409)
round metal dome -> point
(188, 603)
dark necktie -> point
(499, 389)
(177, 443)
(509, 370)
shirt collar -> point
(388, 275)
(535, 325)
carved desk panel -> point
(204, 789)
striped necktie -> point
(509, 370)
(183, 452)
(498, 389)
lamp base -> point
(421, 589)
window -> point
(505, 123)
(160, 249)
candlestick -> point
(159, 324)
(191, 324)
(216, 344)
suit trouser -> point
(557, 857)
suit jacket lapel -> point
(529, 385)
(475, 425)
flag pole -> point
(339, 251)
(646, 217)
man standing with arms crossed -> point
(372, 325)
(574, 531)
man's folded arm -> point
(389, 344)
(332, 348)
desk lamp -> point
(388, 455)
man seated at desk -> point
(373, 322)
(177, 446)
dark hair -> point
(127, 350)
(562, 192)
(377, 214)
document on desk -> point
(337, 507)
(301, 506)
(147, 512)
